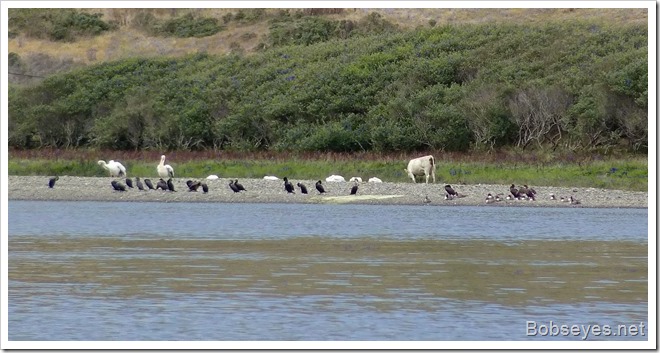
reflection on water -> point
(396, 287)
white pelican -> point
(335, 178)
(164, 170)
(115, 168)
(270, 177)
(375, 180)
(212, 177)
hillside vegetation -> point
(325, 83)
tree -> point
(538, 113)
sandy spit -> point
(71, 188)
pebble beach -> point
(72, 188)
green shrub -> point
(57, 24)
(190, 26)
(449, 88)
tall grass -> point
(621, 172)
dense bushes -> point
(185, 26)
(452, 88)
(57, 25)
(296, 29)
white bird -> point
(358, 179)
(165, 170)
(375, 180)
(335, 178)
(212, 177)
(115, 168)
(270, 177)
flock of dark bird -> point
(168, 185)
(160, 185)
(522, 193)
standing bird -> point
(205, 188)
(426, 199)
(288, 186)
(115, 169)
(164, 170)
(303, 188)
(514, 192)
(162, 184)
(239, 186)
(138, 183)
(529, 192)
(193, 185)
(170, 184)
(51, 181)
(450, 191)
(319, 187)
(354, 189)
(118, 186)
(129, 183)
(574, 201)
(233, 186)
(149, 184)
(530, 189)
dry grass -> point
(129, 42)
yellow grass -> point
(128, 42)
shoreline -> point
(71, 188)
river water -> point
(128, 271)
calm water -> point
(190, 271)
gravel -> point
(71, 188)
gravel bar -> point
(72, 188)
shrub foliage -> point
(57, 24)
(325, 86)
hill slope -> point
(573, 84)
(41, 57)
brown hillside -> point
(45, 57)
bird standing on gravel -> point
(129, 183)
(239, 186)
(303, 188)
(164, 170)
(170, 184)
(205, 188)
(138, 183)
(51, 181)
(115, 169)
(514, 192)
(118, 186)
(319, 187)
(233, 186)
(288, 186)
(148, 183)
(354, 189)
(161, 184)
(450, 191)
(193, 185)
